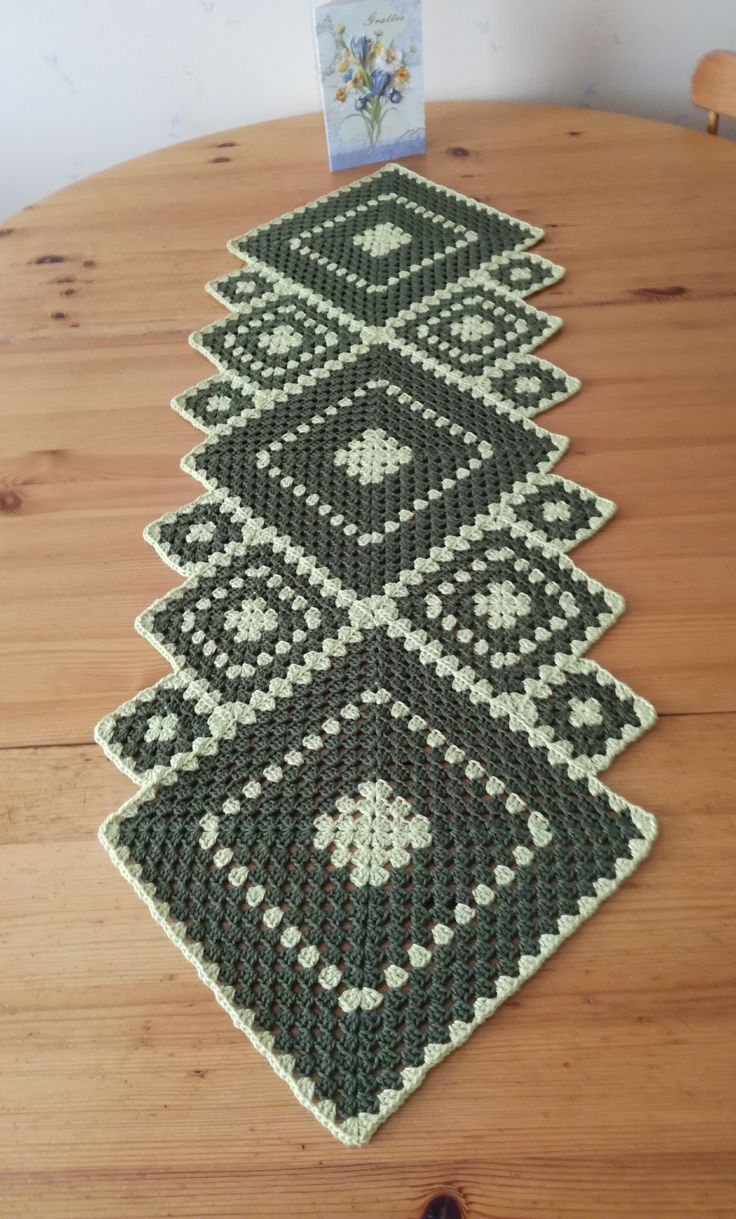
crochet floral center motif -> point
(501, 605)
(472, 329)
(251, 621)
(382, 239)
(280, 341)
(371, 834)
(372, 456)
(368, 802)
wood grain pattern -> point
(605, 1089)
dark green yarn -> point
(550, 384)
(203, 403)
(237, 289)
(229, 460)
(191, 557)
(582, 507)
(130, 730)
(594, 607)
(493, 235)
(168, 623)
(239, 342)
(432, 331)
(275, 838)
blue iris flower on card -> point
(380, 82)
(360, 48)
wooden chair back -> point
(713, 86)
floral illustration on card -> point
(371, 70)
(375, 76)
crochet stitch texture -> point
(368, 803)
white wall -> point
(87, 83)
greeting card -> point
(370, 65)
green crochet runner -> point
(368, 805)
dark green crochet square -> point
(506, 607)
(241, 288)
(379, 454)
(213, 402)
(527, 384)
(589, 714)
(161, 722)
(244, 627)
(275, 341)
(561, 511)
(470, 329)
(446, 238)
(468, 881)
(294, 474)
(190, 537)
(525, 273)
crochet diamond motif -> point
(368, 803)
(370, 833)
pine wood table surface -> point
(605, 1089)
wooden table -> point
(605, 1089)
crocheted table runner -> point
(368, 804)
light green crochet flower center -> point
(371, 834)
(381, 239)
(372, 456)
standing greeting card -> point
(370, 65)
